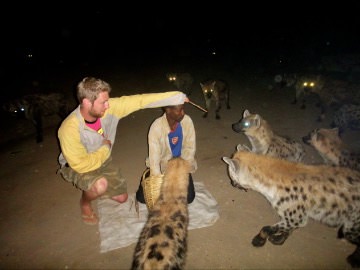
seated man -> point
(171, 135)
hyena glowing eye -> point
(212, 90)
(246, 124)
(305, 84)
(311, 84)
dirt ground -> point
(41, 226)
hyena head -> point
(234, 168)
(309, 84)
(323, 140)
(171, 77)
(15, 107)
(248, 124)
(176, 178)
(208, 89)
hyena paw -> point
(258, 241)
(278, 239)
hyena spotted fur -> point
(35, 107)
(182, 81)
(328, 143)
(297, 192)
(348, 116)
(217, 91)
(162, 242)
(330, 92)
(265, 141)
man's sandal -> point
(90, 219)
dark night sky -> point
(103, 32)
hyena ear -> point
(246, 113)
(257, 120)
(233, 165)
(213, 83)
(335, 130)
(202, 85)
(227, 160)
(242, 147)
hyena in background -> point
(305, 86)
(331, 148)
(264, 140)
(34, 107)
(217, 91)
(297, 192)
(285, 80)
(162, 242)
(182, 81)
(348, 116)
(330, 92)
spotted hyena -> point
(162, 242)
(217, 91)
(297, 192)
(348, 116)
(331, 148)
(265, 141)
(329, 92)
(35, 107)
(182, 81)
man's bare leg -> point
(93, 193)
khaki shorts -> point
(84, 181)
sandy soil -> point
(40, 216)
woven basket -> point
(151, 186)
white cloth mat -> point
(120, 225)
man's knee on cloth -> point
(120, 198)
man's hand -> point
(107, 142)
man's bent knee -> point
(100, 186)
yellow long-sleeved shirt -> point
(81, 146)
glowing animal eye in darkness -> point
(312, 84)
(305, 84)
(246, 124)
